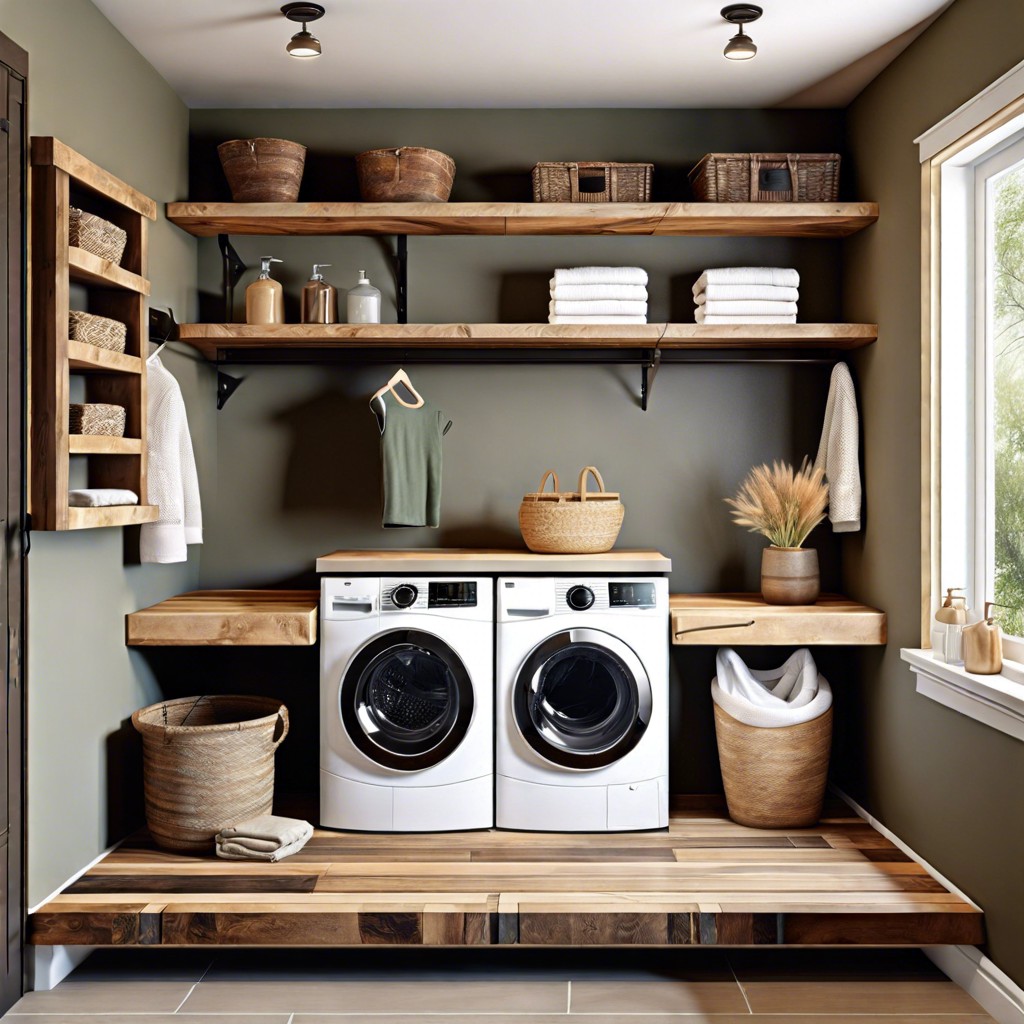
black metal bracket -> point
(226, 387)
(401, 260)
(162, 325)
(234, 268)
(648, 372)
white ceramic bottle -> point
(363, 302)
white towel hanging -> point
(839, 452)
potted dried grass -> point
(784, 505)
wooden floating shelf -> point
(85, 358)
(389, 561)
(111, 515)
(210, 339)
(738, 619)
(241, 618)
(101, 444)
(792, 220)
(86, 268)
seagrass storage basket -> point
(96, 235)
(774, 778)
(571, 522)
(592, 182)
(97, 418)
(100, 331)
(409, 174)
(208, 763)
(766, 178)
(263, 170)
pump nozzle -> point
(265, 262)
(317, 267)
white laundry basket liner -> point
(774, 697)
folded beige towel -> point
(267, 837)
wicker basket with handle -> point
(571, 522)
(96, 235)
(97, 418)
(208, 763)
(263, 170)
(766, 178)
(100, 331)
(592, 182)
(409, 174)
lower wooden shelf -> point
(702, 881)
(737, 619)
(85, 358)
(102, 444)
(112, 515)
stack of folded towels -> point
(598, 295)
(267, 837)
(747, 295)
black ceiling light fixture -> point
(303, 44)
(741, 46)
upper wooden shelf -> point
(85, 358)
(745, 619)
(87, 268)
(794, 220)
(103, 444)
(213, 338)
(241, 618)
(489, 560)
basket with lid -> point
(571, 522)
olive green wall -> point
(83, 682)
(947, 785)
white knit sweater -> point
(839, 452)
(172, 480)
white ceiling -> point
(516, 53)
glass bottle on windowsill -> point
(951, 619)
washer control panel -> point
(451, 594)
(631, 595)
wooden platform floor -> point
(703, 881)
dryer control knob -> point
(404, 595)
(579, 598)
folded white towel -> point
(600, 275)
(597, 307)
(747, 307)
(838, 452)
(738, 318)
(607, 320)
(783, 276)
(768, 292)
(576, 292)
(98, 497)
(267, 837)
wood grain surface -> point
(489, 560)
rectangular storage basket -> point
(96, 235)
(592, 182)
(97, 418)
(100, 331)
(766, 178)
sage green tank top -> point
(410, 448)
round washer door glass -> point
(407, 700)
(582, 699)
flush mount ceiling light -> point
(304, 43)
(741, 46)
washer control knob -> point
(579, 598)
(404, 595)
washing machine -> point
(581, 710)
(406, 716)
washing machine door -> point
(406, 700)
(582, 699)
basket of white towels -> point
(598, 295)
(747, 295)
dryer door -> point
(406, 700)
(582, 699)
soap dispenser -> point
(363, 302)
(264, 298)
(983, 645)
(952, 617)
(319, 299)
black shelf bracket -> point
(234, 268)
(648, 372)
(401, 260)
(226, 387)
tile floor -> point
(510, 986)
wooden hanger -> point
(401, 377)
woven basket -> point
(263, 170)
(774, 778)
(208, 763)
(571, 522)
(97, 418)
(100, 331)
(96, 235)
(766, 178)
(409, 174)
(592, 182)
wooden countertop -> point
(470, 560)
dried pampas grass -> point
(781, 503)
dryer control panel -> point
(451, 594)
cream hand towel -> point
(749, 307)
(597, 307)
(768, 292)
(839, 452)
(736, 318)
(576, 292)
(607, 320)
(600, 275)
(99, 497)
(782, 276)
(267, 837)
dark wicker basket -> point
(263, 170)
(409, 174)
(592, 182)
(96, 235)
(766, 178)
(100, 331)
(97, 418)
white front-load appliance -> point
(581, 712)
(406, 694)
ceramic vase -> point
(790, 575)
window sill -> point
(996, 701)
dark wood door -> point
(13, 74)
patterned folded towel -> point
(734, 292)
(607, 320)
(600, 275)
(596, 307)
(267, 837)
(782, 276)
(738, 318)
(99, 497)
(749, 307)
(577, 292)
